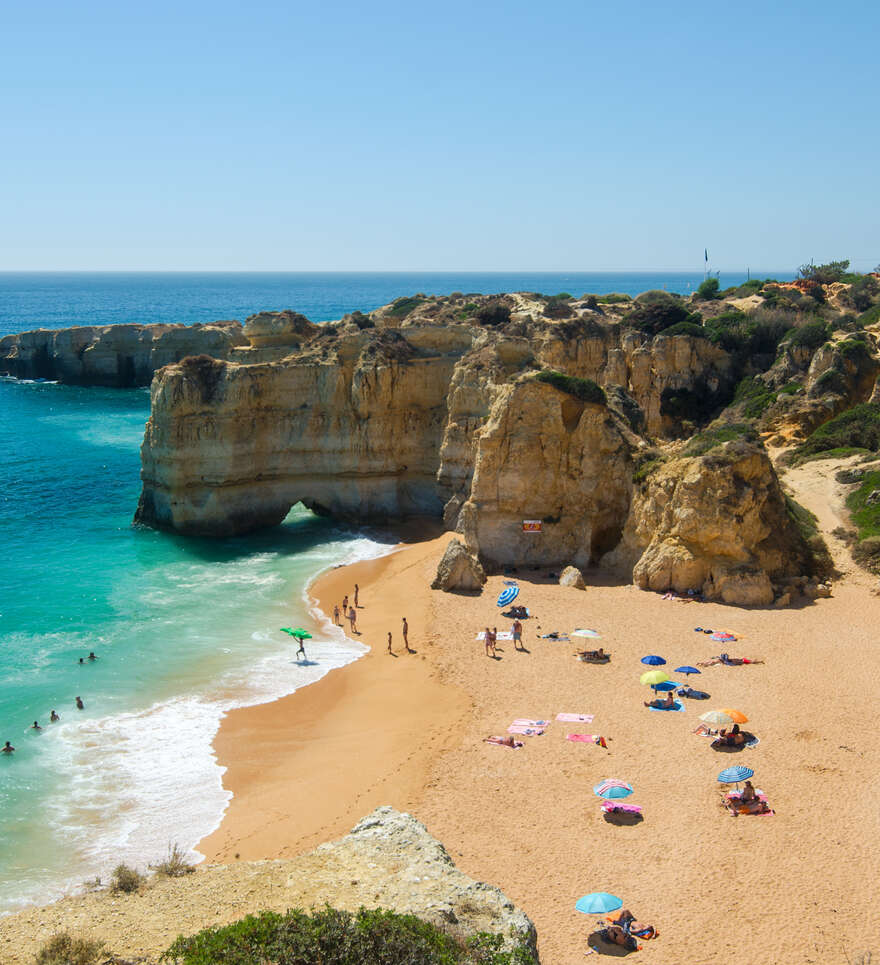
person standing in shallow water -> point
(53, 717)
(8, 748)
(79, 704)
(336, 615)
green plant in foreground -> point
(64, 949)
(334, 937)
(175, 864)
(584, 389)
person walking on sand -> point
(517, 634)
(302, 649)
(336, 615)
(352, 619)
(8, 748)
(356, 591)
(405, 635)
(389, 642)
(489, 642)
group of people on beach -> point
(54, 716)
(350, 613)
(490, 638)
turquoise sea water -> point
(184, 629)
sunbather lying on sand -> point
(588, 655)
(503, 741)
(731, 738)
(690, 692)
(627, 921)
(728, 661)
(662, 703)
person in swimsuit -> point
(36, 726)
(79, 704)
(7, 748)
(661, 703)
(53, 717)
(517, 634)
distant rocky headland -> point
(633, 430)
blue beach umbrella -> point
(653, 660)
(598, 903)
(733, 775)
(508, 595)
(686, 670)
(611, 788)
(667, 685)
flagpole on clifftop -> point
(705, 263)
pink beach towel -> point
(611, 806)
(500, 742)
(572, 718)
(583, 738)
(522, 729)
(531, 722)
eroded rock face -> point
(543, 454)
(279, 328)
(121, 356)
(717, 523)
(458, 570)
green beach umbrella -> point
(299, 633)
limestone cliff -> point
(121, 356)
(425, 408)
(389, 860)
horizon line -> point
(377, 271)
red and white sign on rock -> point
(531, 525)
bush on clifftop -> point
(334, 937)
(584, 389)
(654, 311)
(857, 428)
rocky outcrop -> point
(388, 860)
(716, 523)
(121, 356)
(544, 454)
(458, 570)
(279, 328)
(572, 576)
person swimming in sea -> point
(53, 717)
(36, 725)
(7, 748)
(79, 704)
(92, 655)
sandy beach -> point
(797, 886)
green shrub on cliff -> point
(64, 949)
(401, 307)
(613, 298)
(685, 328)
(584, 389)
(754, 396)
(717, 435)
(857, 428)
(654, 311)
(865, 514)
(708, 290)
(334, 937)
(811, 335)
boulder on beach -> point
(458, 570)
(572, 576)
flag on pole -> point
(706, 255)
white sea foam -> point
(136, 782)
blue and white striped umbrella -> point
(508, 595)
(733, 775)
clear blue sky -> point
(566, 135)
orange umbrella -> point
(737, 716)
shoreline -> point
(364, 717)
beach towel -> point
(529, 722)
(732, 800)
(583, 738)
(571, 718)
(676, 705)
(499, 742)
(501, 635)
(522, 729)
(611, 806)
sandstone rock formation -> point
(122, 356)
(458, 570)
(716, 523)
(389, 860)
(572, 576)
(424, 409)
